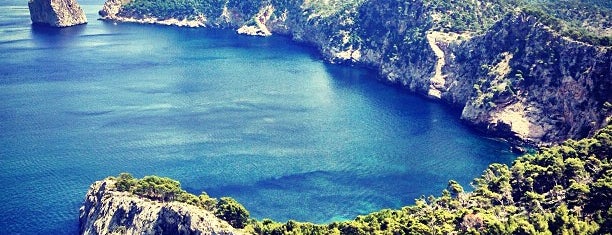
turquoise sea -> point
(263, 120)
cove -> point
(262, 120)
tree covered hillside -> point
(565, 189)
(585, 20)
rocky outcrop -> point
(56, 13)
(523, 80)
(518, 79)
(257, 26)
(107, 211)
(110, 9)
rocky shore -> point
(519, 79)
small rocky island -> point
(56, 13)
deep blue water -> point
(259, 119)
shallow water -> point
(260, 119)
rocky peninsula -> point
(56, 13)
(513, 71)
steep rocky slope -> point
(530, 82)
(108, 211)
(56, 13)
(511, 73)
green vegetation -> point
(562, 190)
(179, 9)
(331, 7)
(152, 187)
(167, 190)
(461, 16)
(583, 20)
(565, 189)
(248, 8)
(586, 23)
(233, 212)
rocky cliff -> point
(56, 13)
(108, 211)
(528, 81)
(512, 75)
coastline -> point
(197, 23)
(449, 68)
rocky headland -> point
(56, 13)
(511, 72)
(107, 210)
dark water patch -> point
(61, 32)
(200, 58)
(102, 35)
(89, 113)
(149, 91)
(5, 24)
(336, 203)
(14, 41)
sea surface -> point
(263, 120)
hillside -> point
(582, 20)
(560, 190)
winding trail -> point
(437, 82)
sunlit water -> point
(260, 119)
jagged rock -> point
(107, 211)
(523, 80)
(110, 9)
(258, 26)
(56, 13)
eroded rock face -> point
(56, 13)
(106, 211)
(523, 80)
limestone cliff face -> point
(56, 13)
(517, 80)
(521, 79)
(106, 211)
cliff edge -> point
(109, 211)
(56, 13)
